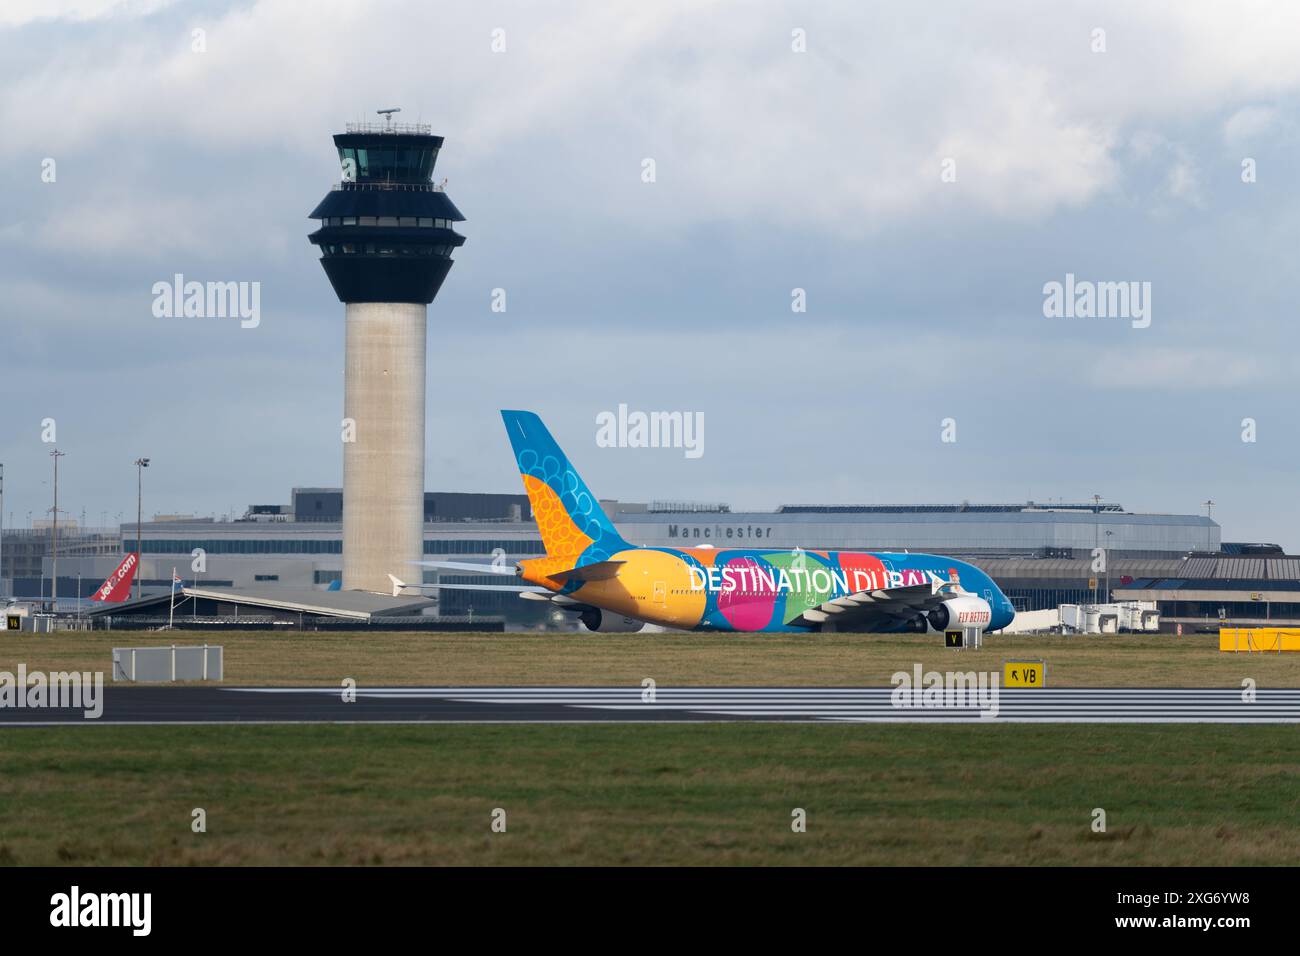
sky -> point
(921, 172)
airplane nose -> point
(1004, 615)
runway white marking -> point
(873, 704)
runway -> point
(271, 705)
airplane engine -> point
(959, 611)
(606, 622)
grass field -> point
(819, 659)
(661, 794)
(654, 794)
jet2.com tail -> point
(569, 517)
(117, 586)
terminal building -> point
(1041, 554)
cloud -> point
(848, 137)
(1193, 368)
(776, 169)
(1247, 124)
(108, 226)
(1183, 182)
(16, 13)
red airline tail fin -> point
(117, 587)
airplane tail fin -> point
(569, 516)
(117, 587)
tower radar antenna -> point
(388, 115)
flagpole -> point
(171, 614)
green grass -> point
(703, 659)
(655, 794)
(651, 794)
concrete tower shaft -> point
(383, 466)
(386, 236)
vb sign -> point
(1024, 674)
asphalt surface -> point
(238, 705)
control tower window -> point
(426, 221)
(386, 163)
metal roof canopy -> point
(354, 605)
(150, 598)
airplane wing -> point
(862, 609)
(523, 589)
(600, 571)
(467, 566)
(500, 588)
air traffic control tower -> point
(386, 240)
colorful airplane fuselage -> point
(588, 565)
(762, 589)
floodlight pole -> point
(54, 536)
(140, 465)
(1107, 554)
(1096, 535)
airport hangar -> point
(270, 562)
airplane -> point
(117, 586)
(611, 585)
